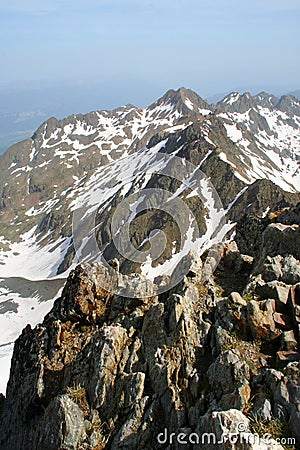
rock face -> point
(105, 371)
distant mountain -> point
(248, 147)
(256, 137)
(24, 106)
(295, 94)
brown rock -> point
(288, 341)
(285, 357)
(260, 319)
(295, 294)
(283, 321)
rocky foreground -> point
(220, 356)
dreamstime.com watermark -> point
(240, 437)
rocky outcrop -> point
(105, 371)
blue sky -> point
(149, 46)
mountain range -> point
(247, 146)
(150, 277)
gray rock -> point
(294, 302)
(288, 341)
(270, 268)
(294, 424)
(195, 264)
(285, 388)
(237, 299)
(262, 409)
(279, 239)
(144, 364)
(276, 290)
(290, 270)
(62, 426)
(229, 374)
(220, 424)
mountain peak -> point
(241, 102)
(184, 100)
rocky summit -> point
(151, 258)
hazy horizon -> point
(69, 57)
(204, 46)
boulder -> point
(236, 299)
(270, 268)
(285, 357)
(283, 321)
(290, 267)
(279, 239)
(294, 303)
(260, 319)
(229, 375)
(277, 290)
(262, 409)
(288, 341)
(285, 389)
(62, 426)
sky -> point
(132, 51)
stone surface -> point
(262, 409)
(105, 371)
(260, 319)
(288, 341)
(277, 290)
(237, 299)
(62, 426)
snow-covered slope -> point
(98, 160)
(266, 133)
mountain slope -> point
(248, 148)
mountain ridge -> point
(251, 158)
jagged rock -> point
(274, 289)
(270, 268)
(237, 299)
(283, 321)
(221, 424)
(247, 262)
(262, 408)
(294, 424)
(288, 341)
(195, 264)
(62, 426)
(231, 257)
(294, 302)
(230, 375)
(290, 270)
(279, 239)
(260, 319)
(143, 365)
(285, 389)
(254, 282)
(285, 357)
(221, 337)
(126, 437)
(224, 314)
(176, 311)
(132, 359)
